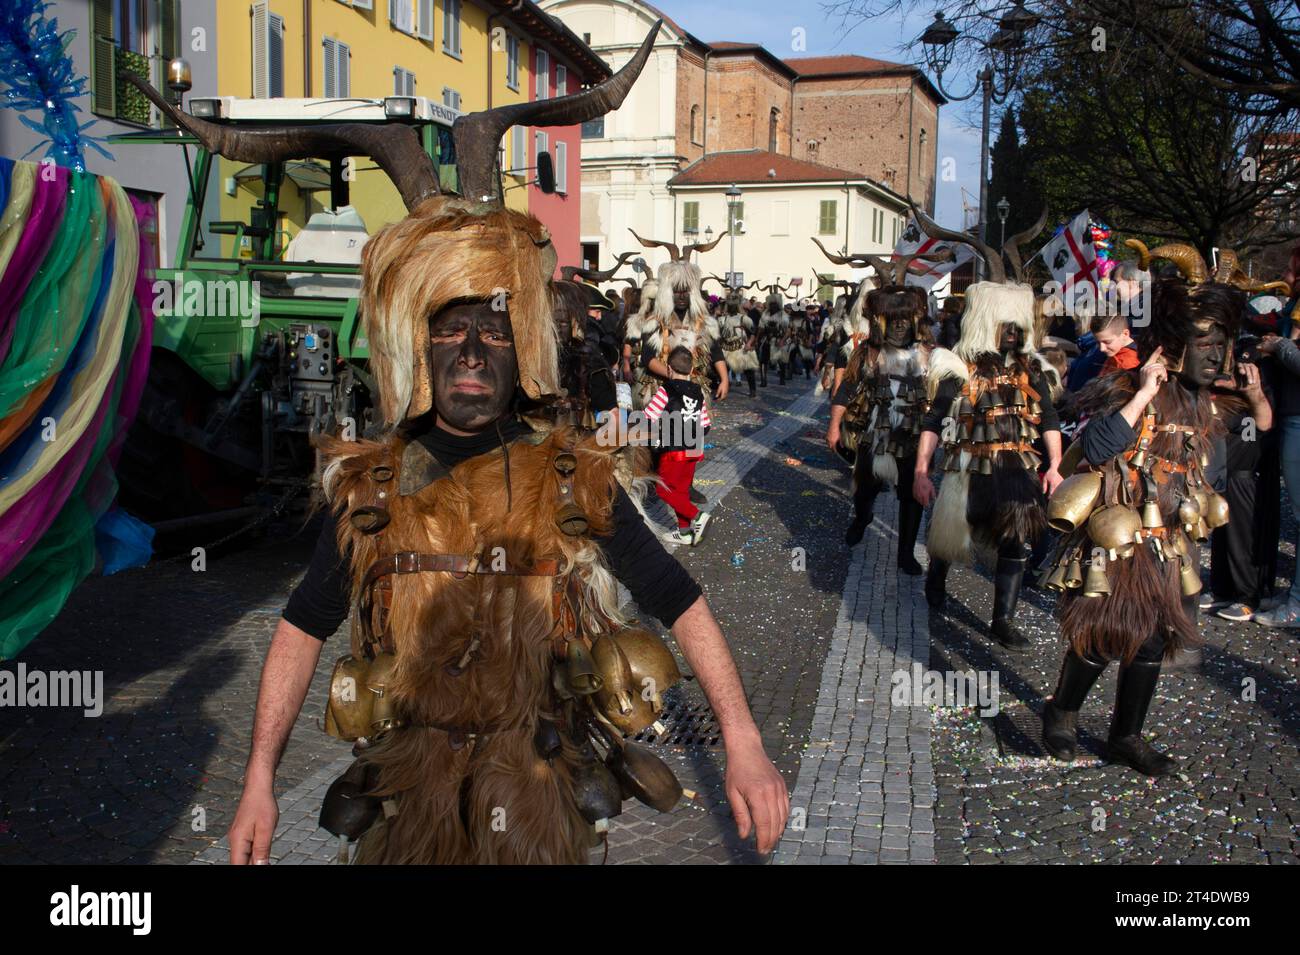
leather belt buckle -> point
(406, 562)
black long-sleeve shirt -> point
(950, 388)
(660, 585)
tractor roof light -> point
(399, 107)
(205, 108)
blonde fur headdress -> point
(500, 255)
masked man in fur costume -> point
(738, 340)
(681, 317)
(774, 326)
(881, 403)
(638, 319)
(989, 401)
(1137, 503)
(477, 550)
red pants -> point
(677, 471)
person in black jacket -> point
(681, 420)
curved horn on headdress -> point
(673, 251)
(1011, 248)
(395, 148)
(595, 276)
(884, 269)
(478, 135)
(997, 271)
(700, 247)
(1144, 254)
(713, 278)
(855, 260)
(1189, 261)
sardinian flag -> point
(923, 272)
(1072, 257)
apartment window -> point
(695, 125)
(737, 218)
(594, 128)
(561, 167)
(690, 217)
(451, 27)
(403, 82)
(451, 97)
(512, 61)
(772, 119)
(543, 74)
(400, 15)
(268, 53)
(826, 217)
(129, 36)
(519, 149)
(542, 142)
(561, 80)
(920, 152)
(338, 67)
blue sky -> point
(773, 22)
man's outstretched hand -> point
(757, 793)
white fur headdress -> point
(990, 305)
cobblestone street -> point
(818, 631)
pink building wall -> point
(561, 212)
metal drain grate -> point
(1019, 732)
(685, 724)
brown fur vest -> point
(490, 799)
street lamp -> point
(733, 198)
(1004, 49)
(708, 234)
(1004, 210)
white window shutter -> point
(424, 27)
(261, 54)
(543, 73)
(330, 73)
(561, 167)
(561, 81)
(345, 70)
(519, 147)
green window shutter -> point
(103, 61)
(167, 33)
(691, 215)
(826, 220)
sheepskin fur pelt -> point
(446, 798)
(697, 330)
(731, 329)
(989, 306)
(1145, 597)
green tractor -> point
(257, 346)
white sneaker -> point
(683, 535)
(1285, 616)
(697, 527)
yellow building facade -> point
(454, 52)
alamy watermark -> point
(83, 689)
(952, 688)
(209, 298)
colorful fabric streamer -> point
(76, 325)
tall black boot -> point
(909, 523)
(749, 380)
(1187, 658)
(1133, 693)
(781, 371)
(936, 583)
(1061, 712)
(1007, 579)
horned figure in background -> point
(994, 388)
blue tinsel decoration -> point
(39, 75)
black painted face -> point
(898, 332)
(474, 366)
(681, 299)
(1203, 357)
(1010, 338)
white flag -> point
(922, 272)
(1071, 256)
